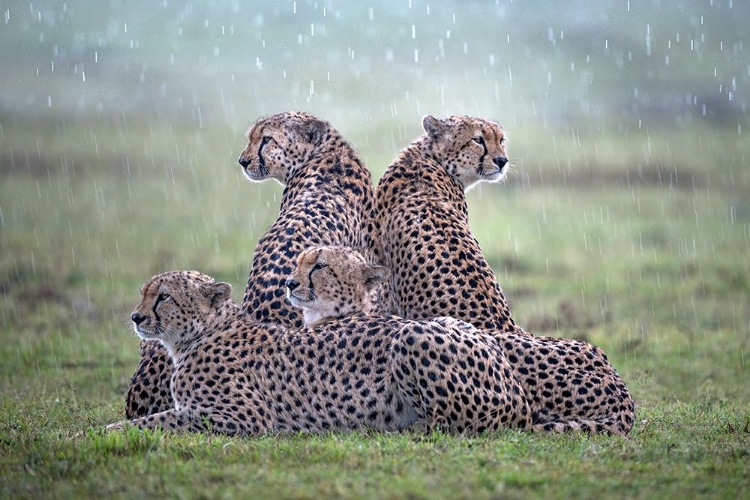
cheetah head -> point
(278, 145)
(176, 307)
(332, 282)
(471, 149)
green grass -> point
(670, 312)
(626, 224)
(704, 454)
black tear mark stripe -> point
(483, 143)
(159, 300)
(263, 143)
(311, 286)
(318, 266)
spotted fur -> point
(437, 266)
(328, 199)
(237, 377)
(333, 282)
(567, 384)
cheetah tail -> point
(603, 426)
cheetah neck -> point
(423, 174)
(314, 318)
(335, 168)
(441, 176)
(365, 305)
(216, 321)
(369, 303)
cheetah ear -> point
(374, 275)
(433, 126)
(313, 130)
(217, 292)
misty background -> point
(625, 220)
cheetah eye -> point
(318, 266)
(162, 297)
(265, 140)
(479, 140)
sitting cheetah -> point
(569, 385)
(328, 199)
(235, 376)
(422, 221)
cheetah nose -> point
(244, 162)
(500, 161)
(137, 318)
(291, 284)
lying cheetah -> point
(422, 221)
(235, 376)
(568, 384)
(328, 199)
(349, 290)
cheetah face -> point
(278, 145)
(331, 282)
(175, 305)
(471, 149)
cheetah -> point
(349, 290)
(328, 199)
(568, 384)
(236, 376)
(422, 223)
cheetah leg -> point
(201, 420)
(150, 388)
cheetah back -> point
(437, 265)
(570, 384)
(328, 199)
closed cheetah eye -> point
(318, 266)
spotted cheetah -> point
(349, 290)
(568, 384)
(236, 376)
(328, 199)
(422, 222)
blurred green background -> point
(625, 222)
(121, 123)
